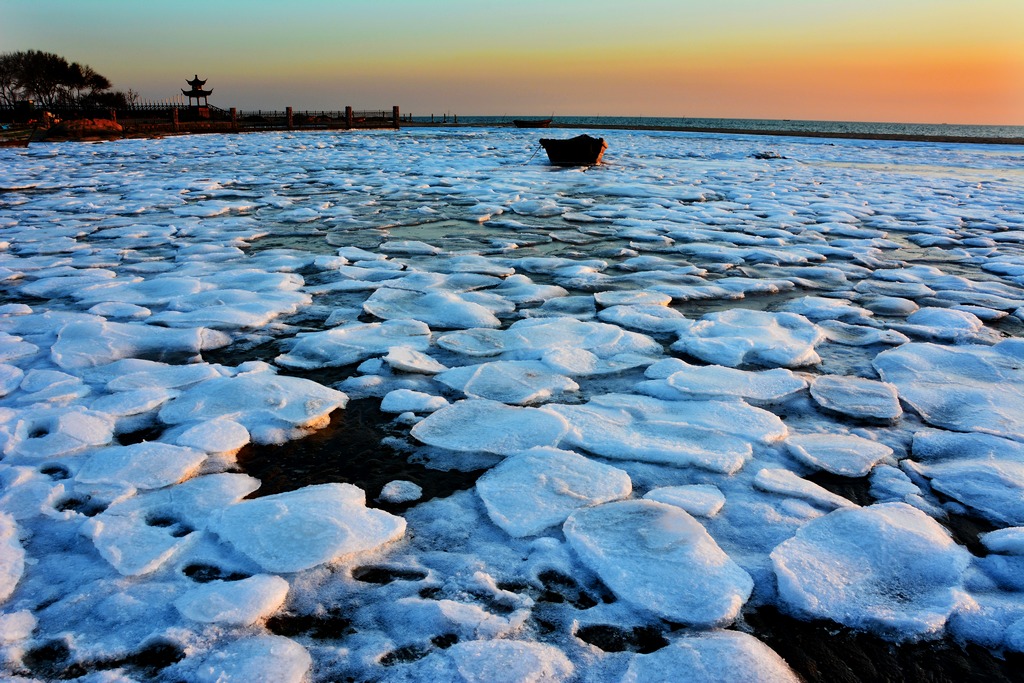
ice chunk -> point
(714, 381)
(749, 337)
(55, 432)
(353, 343)
(409, 401)
(408, 359)
(442, 310)
(817, 308)
(272, 408)
(995, 488)
(659, 558)
(87, 344)
(258, 658)
(714, 435)
(857, 397)
(888, 567)
(635, 297)
(488, 426)
(240, 603)
(292, 531)
(943, 324)
(145, 465)
(399, 491)
(10, 378)
(714, 657)
(787, 483)
(219, 435)
(136, 374)
(700, 500)
(1009, 541)
(14, 348)
(844, 454)
(531, 491)
(487, 661)
(653, 318)
(12, 556)
(515, 382)
(966, 388)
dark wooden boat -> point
(531, 123)
(581, 150)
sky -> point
(915, 61)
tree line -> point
(51, 81)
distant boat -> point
(532, 123)
(581, 150)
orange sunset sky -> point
(927, 61)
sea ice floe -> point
(531, 491)
(860, 335)
(857, 397)
(749, 337)
(272, 408)
(847, 455)
(993, 487)
(410, 401)
(712, 657)
(716, 381)
(10, 378)
(408, 359)
(489, 426)
(145, 465)
(88, 344)
(289, 532)
(700, 500)
(481, 661)
(353, 343)
(439, 310)
(40, 433)
(964, 388)
(240, 603)
(888, 567)
(945, 324)
(787, 483)
(514, 382)
(661, 559)
(654, 318)
(400, 491)
(713, 435)
(817, 308)
(12, 559)
(257, 658)
(219, 435)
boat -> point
(581, 150)
(532, 123)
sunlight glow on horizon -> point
(922, 61)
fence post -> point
(348, 118)
(395, 116)
(234, 120)
(291, 122)
(174, 118)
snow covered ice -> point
(617, 417)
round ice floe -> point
(653, 318)
(715, 657)
(515, 382)
(966, 388)
(819, 308)
(399, 491)
(408, 359)
(13, 348)
(408, 247)
(88, 344)
(409, 401)
(259, 658)
(633, 297)
(942, 324)
(715, 381)
(714, 435)
(239, 603)
(844, 454)
(10, 378)
(145, 465)
(269, 406)
(700, 500)
(486, 661)
(1009, 541)
(857, 397)
(488, 426)
(740, 337)
(994, 487)
(659, 558)
(891, 305)
(138, 374)
(12, 556)
(354, 343)
(292, 531)
(55, 432)
(531, 491)
(218, 435)
(888, 567)
(442, 310)
(860, 335)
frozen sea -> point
(417, 406)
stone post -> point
(348, 118)
(395, 115)
(174, 118)
(234, 119)
(291, 122)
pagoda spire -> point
(196, 92)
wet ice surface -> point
(703, 386)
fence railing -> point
(177, 117)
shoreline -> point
(894, 137)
